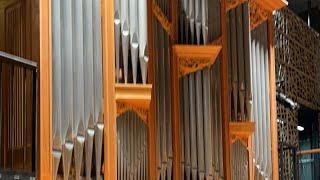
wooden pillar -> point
(273, 103)
(110, 131)
(175, 97)
(45, 140)
(152, 134)
(225, 93)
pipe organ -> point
(200, 117)
(163, 107)
(188, 113)
(77, 89)
(131, 60)
(238, 30)
(131, 147)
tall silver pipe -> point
(143, 35)
(98, 97)
(67, 89)
(240, 49)
(187, 131)
(88, 84)
(57, 82)
(234, 53)
(78, 83)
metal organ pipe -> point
(130, 23)
(201, 122)
(240, 81)
(77, 87)
(131, 149)
(260, 74)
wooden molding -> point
(45, 126)
(233, 4)
(257, 14)
(241, 131)
(192, 58)
(135, 97)
(273, 101)
(110, 130)
(261, 10)
(162, 18)
(272, 5)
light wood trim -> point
(225, 94)
(45, 143)
(192, 58)
(272, 5)
(110, 132)
(250, 159)
(135, 97)
(241, 128)
(152, 134)
(233, 4)
(273, 103)
(195, 51)
(309, 151)
(134, 94)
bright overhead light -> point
(300, 128)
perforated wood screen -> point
(297, 65)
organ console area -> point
(158, 89)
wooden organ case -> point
(168, 89)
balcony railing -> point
(18, 120)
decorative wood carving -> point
(192, 58)
(257, 14)
(241, 131)
(162, 18)
(272, 5)
(233, 4)
(297, 64)
(260, 10)
(135, 97)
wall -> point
(31, 10)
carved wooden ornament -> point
(135, 97)
(192, 58)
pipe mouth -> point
(117, 18)
(90, 132)
(125, 30)
(80, 138)
(56, 153)
(68, 145)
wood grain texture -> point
(45, 159)
(225, 94)
(110, 133)
(273, 102)
(152, 134)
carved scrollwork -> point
(192, 58)
(258, 14)
(233, 4)
(124, 107)
(162, 18)
(190, 65)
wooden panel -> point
(173, 6)
(110, 133)
(152, 137)
(225, 94)
(15, 31)
(273, 102)
(45, 161)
